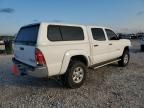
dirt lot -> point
(107, 87)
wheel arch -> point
(74, 55)
(81, 58)
(126, 48)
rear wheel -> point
(124, 59)
(75, 74)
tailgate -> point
(25, 54)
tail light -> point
(39, 57)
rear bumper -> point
(24, 69)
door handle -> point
(21, 48)
(110, 43)
(96, 45)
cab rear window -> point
(28, 35)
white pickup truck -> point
(66, 50)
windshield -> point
(28, 35)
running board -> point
(99, 66)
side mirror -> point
(119, 37)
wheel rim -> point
(126, 58)
(78, 74)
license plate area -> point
(19, 70)
(22, 69)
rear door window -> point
(28, 35)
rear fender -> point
(67, 57)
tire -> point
(75, 75)
(124, 59)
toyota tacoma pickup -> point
(66, 50)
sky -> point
(121, 15)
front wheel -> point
(75, 74)
(124, 59)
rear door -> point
(99, 45)
(25, 43)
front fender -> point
(126, 42)
(67, 58)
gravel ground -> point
(107, 87)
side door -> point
(114, 45)
(99, 45)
